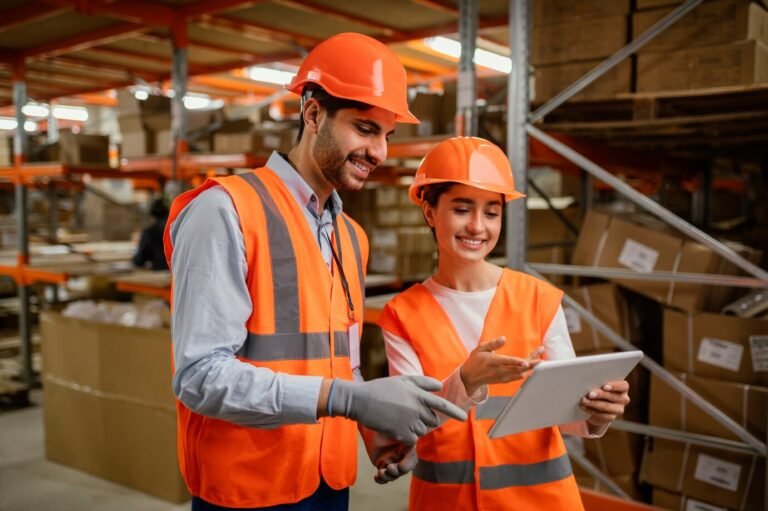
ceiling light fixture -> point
(482, 57)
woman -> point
(479, 328)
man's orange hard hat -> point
(360, 68)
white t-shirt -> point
(467, 311)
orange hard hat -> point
(357, 67)
(470, 161)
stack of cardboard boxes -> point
(720, 43)
(241, 136)
(723, 358)
(145, 126)
(570, 37)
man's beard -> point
(331, 159)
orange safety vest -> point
(459, 466)
(298, 326)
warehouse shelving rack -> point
(181, 165)
(521, 126)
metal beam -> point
(517, 139)
(648, 204)
(614, 60)
(466, 87)
(438, 6)
(330, 12)
(211, 6)
(253, 30)
(83, 41)
(705, 279)
(135, 11)
(27, 12)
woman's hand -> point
(484, 366)
(606, 404)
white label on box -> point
(695, 505)
(720, 353)
(572, 319)
(720, 473)
(758, 345)
(638, 256)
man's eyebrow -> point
(375, 128)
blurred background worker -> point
(268, 284)
(150, 253)
(479, 328)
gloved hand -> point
(393, 470)
(400, 407)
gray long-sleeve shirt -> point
(212, 305)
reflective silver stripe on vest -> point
(356, 247)
(504, 476)
(293, 346)
(492, 407)
(449, 472)
(494, 478)
(285, 279)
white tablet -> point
(551, 394)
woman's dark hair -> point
(431, 193)
(331, 104)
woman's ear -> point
(429, 213)
(311, 115)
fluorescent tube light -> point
(482, 57)
(269, 75)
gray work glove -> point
(400, 407)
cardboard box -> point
(617, 453)
(261, 141)
(628, 483)
(548, 11)
(429, 108)
(717, 346)
(109, 409)
(701, 68)
(652, 4)
(676, 502)
(137, 143)
(644, 245)
(710, 24)
(552, 79)
(747, 405)
(602, 300)
(723, 478)
(78, 149)
(562, 42)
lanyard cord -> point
(337, 258)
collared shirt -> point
(212, 305)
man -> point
(268, 297)
(150, 250)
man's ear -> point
(311, 115)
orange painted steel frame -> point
(131, 287)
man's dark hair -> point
(330, 103)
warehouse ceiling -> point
(79, 48)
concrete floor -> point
(28, 482)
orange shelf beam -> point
(132, 287)
(24, 275)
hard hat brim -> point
(413, 191)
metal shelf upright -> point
(520, 125)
